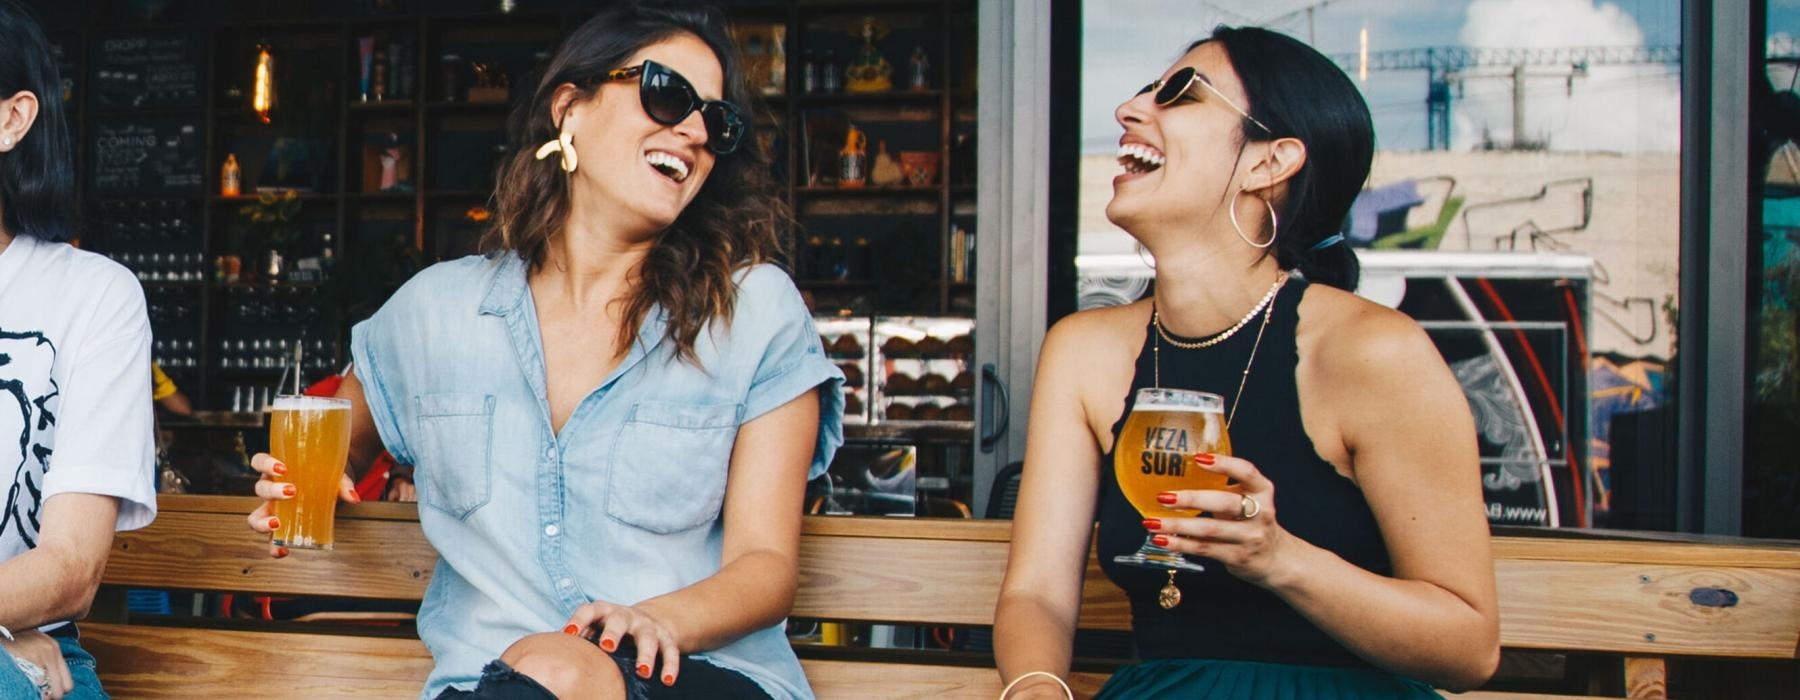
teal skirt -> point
(1181, 679)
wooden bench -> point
(1643, 600)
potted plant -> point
(271, 227)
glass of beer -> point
(1155, 454)
(311, 435)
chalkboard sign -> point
(145, 157)
(146, 71)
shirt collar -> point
(506, 287)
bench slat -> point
(142, 661)
(1628, 608)
(137, 661)
(921, 572)
(374, 558)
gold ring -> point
(1248, 508)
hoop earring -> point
(564, 143)
(1274, 226)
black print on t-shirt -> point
(27, 403)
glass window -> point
(1524, 206)
(1771, 481)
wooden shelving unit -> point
(445, 132)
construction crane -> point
(1447, 66)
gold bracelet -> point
(1070, 694)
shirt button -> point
(550, 452)
(551, 530)
(565, 583)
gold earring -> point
(1274, 226)
(563, 143)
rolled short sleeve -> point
(104, 441)
(374, 349)
(792, 360)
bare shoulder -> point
(1096, 334)
(1348, 337)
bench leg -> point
(1646, 678)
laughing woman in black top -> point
(1354, 562)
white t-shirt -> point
(75, 408)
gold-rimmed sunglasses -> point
(1170, 90)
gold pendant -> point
(1169, 596)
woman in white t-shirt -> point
(76, 456)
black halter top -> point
(1220, 616)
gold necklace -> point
(1156, 319)
(1266, 307)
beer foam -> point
(309, 403)
(1173, 408)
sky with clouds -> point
(1127, 43)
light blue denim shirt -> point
(624, 504)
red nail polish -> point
(355, 497)
(1152, 524)
(1167, 499)
(607, 644)
(288, 490)
(571, 629)
(643, 670)
(1160, 541)
(281, 552)
(274, 523)
(668, 680)
(279, 469)
(1205, 458)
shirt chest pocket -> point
(669, 464)
(454, 450)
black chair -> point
(1005, 494)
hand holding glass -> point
(311, 434)
(1155, 454)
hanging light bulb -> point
(262, 96)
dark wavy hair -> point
(736, 219)
(1300, 93)
(37, 177)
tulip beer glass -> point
(1155, 454)
(311, 435)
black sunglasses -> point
(1168, 91)
(669, 98)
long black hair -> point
(1300, 93)
(37, 177)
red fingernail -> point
(355, 497)
(571, 629)
(280, 552)
(274, 523)
(607, 644)
(279, 469)
(1205, 458)
(643, 670)
(287, 490)
(668, 680)
(1167, 499)
(1152, 524)
(1160, 541)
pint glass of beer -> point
(1155, 454)
(311, 435)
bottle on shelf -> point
(830, 79)
(918, 74)
(809, 75)
(230, 177)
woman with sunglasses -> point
(1350, 557)
(613, 415)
